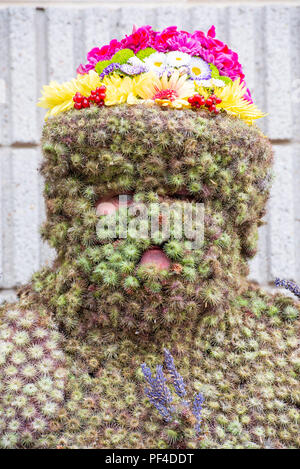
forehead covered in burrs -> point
(133, 148)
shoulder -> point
(248, 369)
(32, 377)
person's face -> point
(121, 160)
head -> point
(160, 117)
(152, 155)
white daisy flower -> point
(199, 69)
(156, 61)
(135, 61)
(178, 59)
(219, 83)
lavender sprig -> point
(177, 378)
(197, 410)
(158, 392)
(160, 396)
(288, 285)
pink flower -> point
(96, 54)
(247, 95)
(140, 39)
(212, 31)
(162, 38)
(219, 54)
(198, 44)
(184, 43)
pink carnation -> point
(162, 38)
(96, 54)
(177, 40)
(219, 54)
(140, 39)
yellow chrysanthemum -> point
(234, 103)
(59, 97)
(119, 90)
(165, 91)
(148, 87)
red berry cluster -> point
(198, 100)
(97, 97)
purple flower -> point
(197, 410)
(158, 392)
(176, 377)
(133, 69)
(291, 286)
(169, 71)
(109, 69)
(161, 397)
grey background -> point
(43, 41)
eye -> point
(183, 194)
(109, 205)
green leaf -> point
(214, 71)
(100, 66)
(122, 56)
(216, 74)
(143, 53)
(226, 80)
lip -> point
(159, 260)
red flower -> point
(140, 39)
(162, 38)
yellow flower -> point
(149, 88)
(234, 103)
(165, 91)
(59, 97)
(119, 90)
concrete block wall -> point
(39, 43)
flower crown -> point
(168, 68)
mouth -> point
(154, 256)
